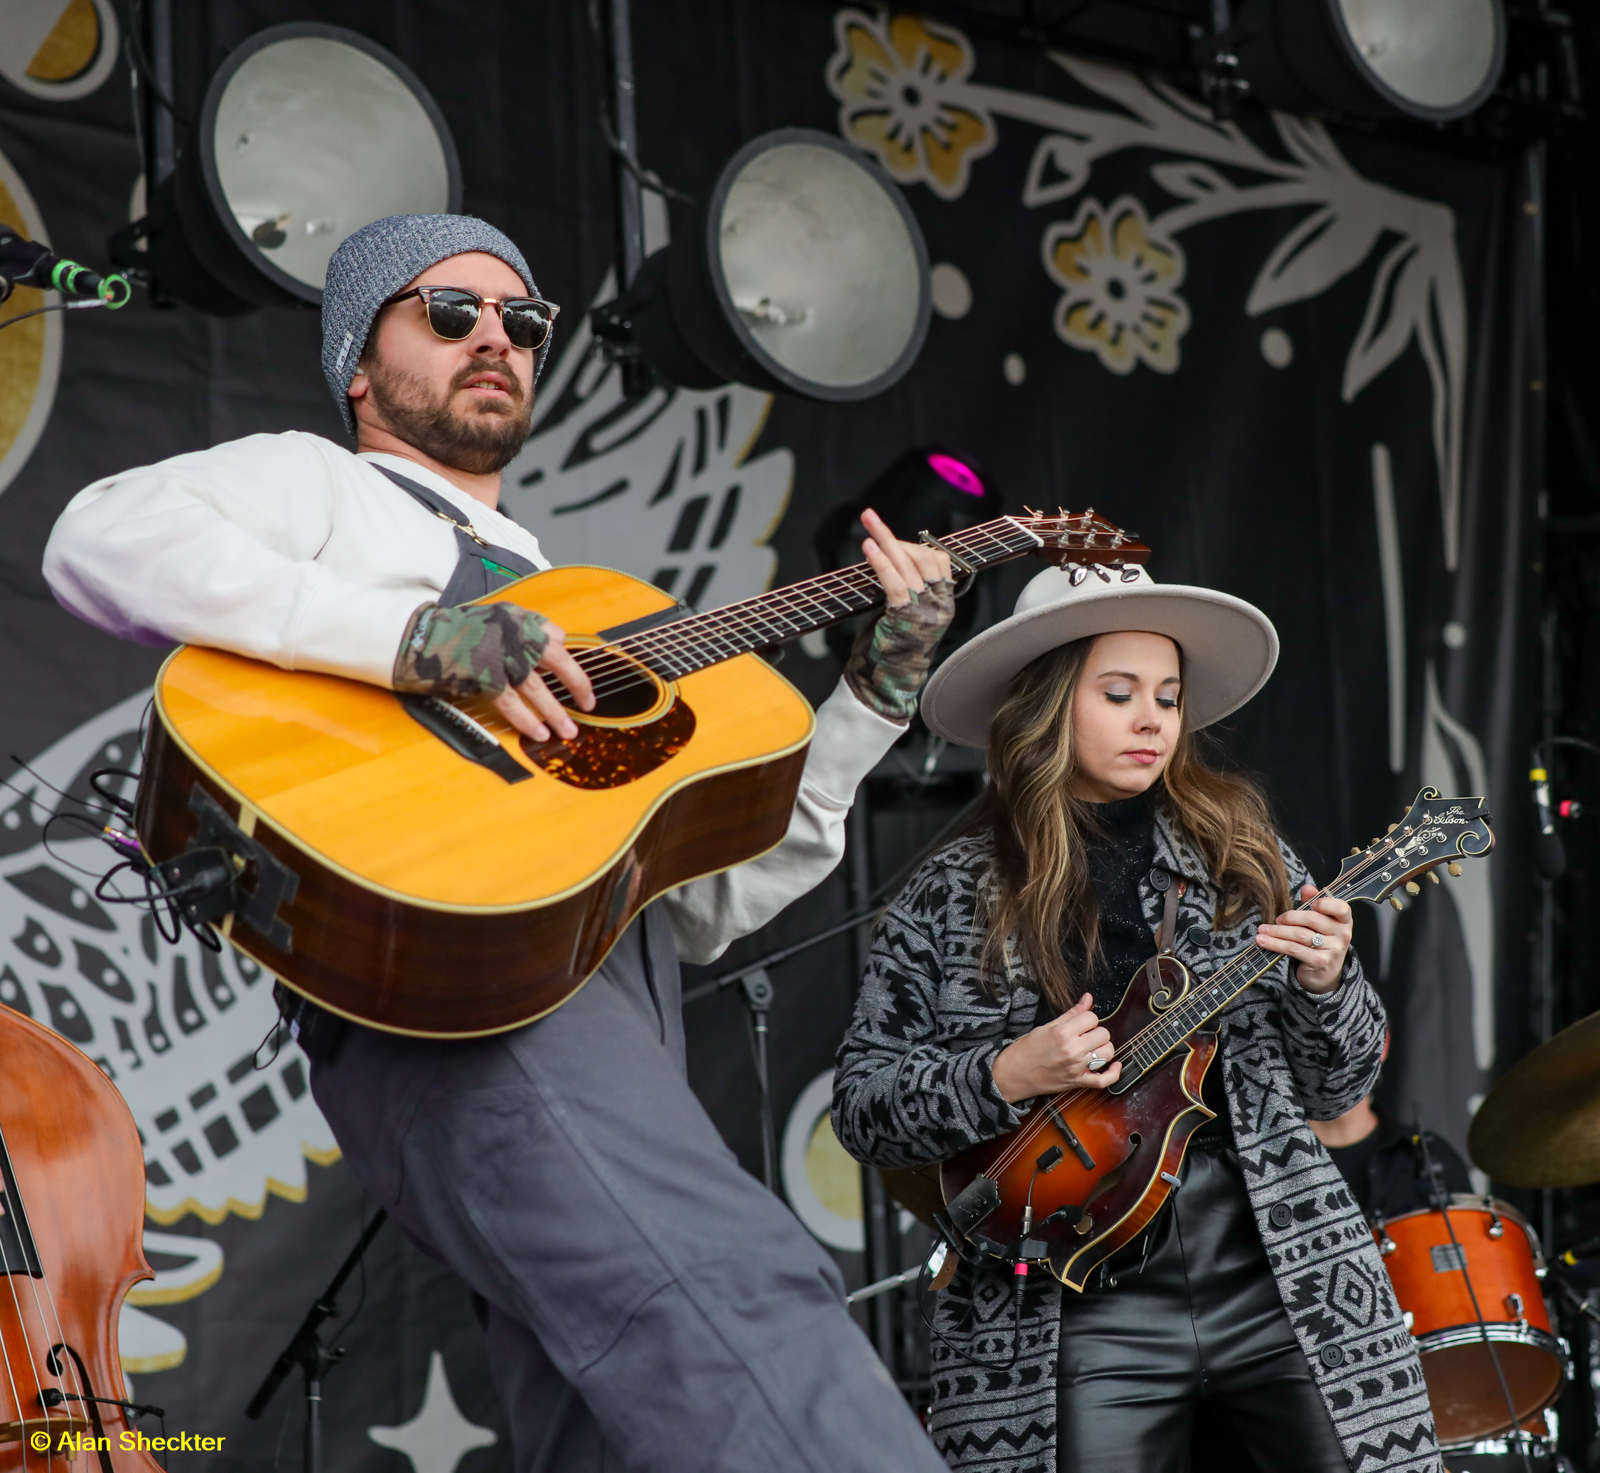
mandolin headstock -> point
(1434, 831)
(1083, 540)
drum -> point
(1498, 1250)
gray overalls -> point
(648, 1304)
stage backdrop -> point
(1301, 362)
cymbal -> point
(1540, 1125)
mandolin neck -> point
(685, 645)
(1199, 1006)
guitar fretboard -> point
(698, 640)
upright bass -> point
(71, 1223)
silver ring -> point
(1317, 939)
(1096, 1063)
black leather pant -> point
(1189, 1363)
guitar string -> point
(779, 615)
(670, 646)
(687, 644)
(828, 591)
(770, 618)
(1214, 984)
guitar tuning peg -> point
(1397, 902)
(1433, 877)
(1454, 868)
(1413, 888)
(1101, 574)
(1130, 575)
(1076, 573)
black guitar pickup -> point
(463, 735)
(972, 1204)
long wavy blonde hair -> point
(1038, 889)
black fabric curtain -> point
(1302, 362)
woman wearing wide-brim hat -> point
(1254, 1314)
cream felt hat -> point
(1229, 647)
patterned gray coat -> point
(914, 1086)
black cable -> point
(139, 61)
(647, 178)
(868, 912)
(1021, 1283)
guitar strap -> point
(481, 567)
(1168, 933)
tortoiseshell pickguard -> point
(612, 756)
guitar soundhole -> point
(613, 756)
(622, 697)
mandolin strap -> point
(1168, 933)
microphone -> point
(25, 262)
(1550, 857)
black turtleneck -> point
(1118, 856)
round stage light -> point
(1429, 59)
(307, 133)
(803, 271)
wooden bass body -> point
(426, 888)
(71, 1225)
(1080, 1179)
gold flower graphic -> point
(1120, 281)
(900, 81)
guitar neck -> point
(692, 643)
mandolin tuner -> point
(1413, 888)
(1455, 869)
(1432, 877)
(1397, 902)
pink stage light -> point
(959, 475)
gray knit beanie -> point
(375, 262)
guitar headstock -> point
(1082, 540)
(1434, 831)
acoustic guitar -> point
(418, 865)
(1088, 1169)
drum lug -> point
(1515, 1305)
(1386, 1244)
(1408, 1317)
(1497, 1229)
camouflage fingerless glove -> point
(477, 650)
(889, 661)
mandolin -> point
(418, 865)
(1088, 1169)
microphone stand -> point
(307, 1351)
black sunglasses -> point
(453, 313)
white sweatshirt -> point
(290, 549)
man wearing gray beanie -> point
(648, 1305)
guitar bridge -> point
(464, 736)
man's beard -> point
(482, 439)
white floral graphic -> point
(1120, 278)
(1416, 296)
(901, 85)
